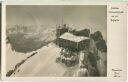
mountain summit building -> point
(73, 42)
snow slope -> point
(14, 57)
(42, 64)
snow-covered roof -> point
(72, 37)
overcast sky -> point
(81, 16)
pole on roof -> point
(62, 20)
(90, 32)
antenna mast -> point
(62, 20)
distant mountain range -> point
(29, 38)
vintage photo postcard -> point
(64, 41)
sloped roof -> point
(72, 37)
